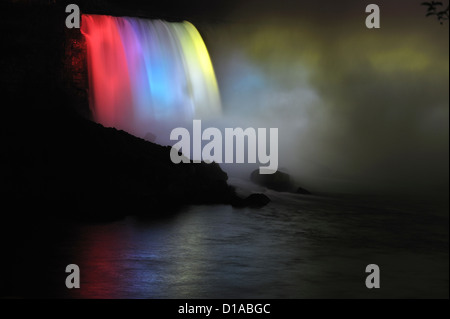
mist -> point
(358, 111)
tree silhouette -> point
(436, 8)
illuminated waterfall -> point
(147, 74)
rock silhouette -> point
(278, 181)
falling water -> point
(145, 75)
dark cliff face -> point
(61, 163)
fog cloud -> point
(358, 110)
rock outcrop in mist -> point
(278, 181)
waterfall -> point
(145, 75)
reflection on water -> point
(296, 247)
